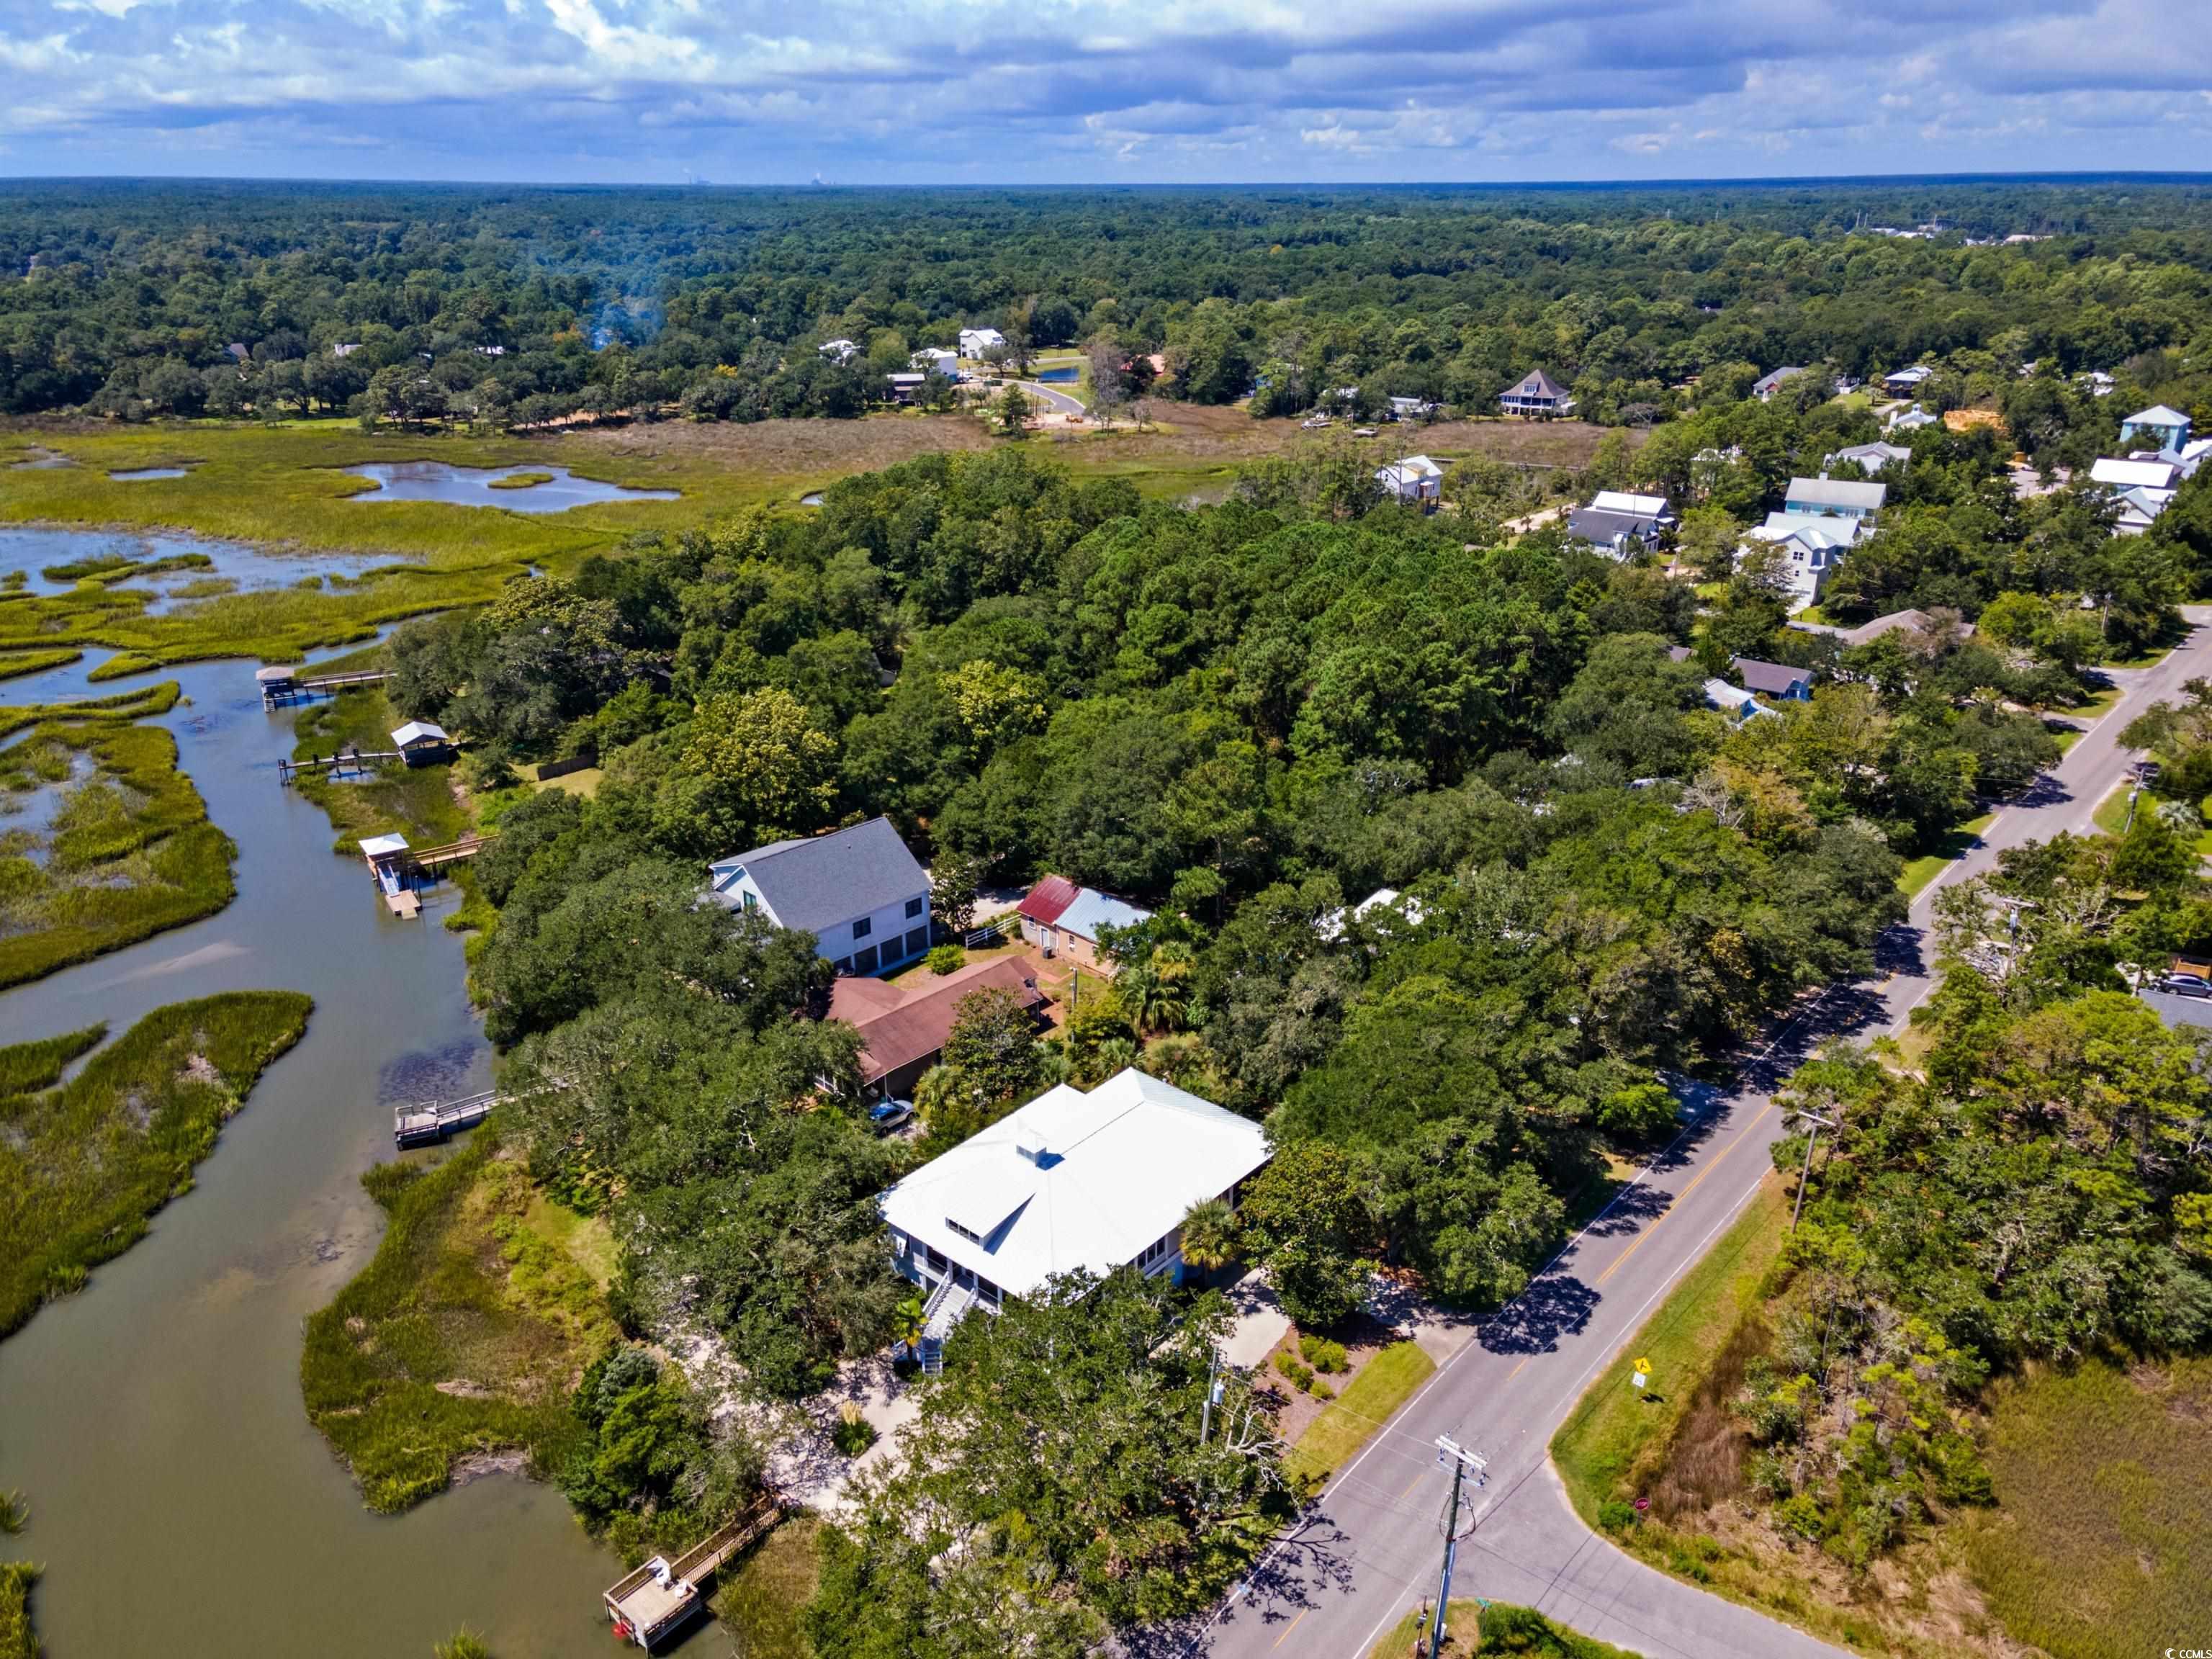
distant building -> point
(1774, 679)
(1812, 546)
(2155, 428)
(1614, 518)
(1835, 498)
(345, 348)
(1768, 384)
(1871, 458)
(976, 343)
(1912, 419)
(859, 892)
(936, 359)
(1907, 381)
(1536, 396)
(1062, 919)
(839, 351)
(2131, 474)
(1411, 408)
(1415, 479)
(906, 384)
(1738, 704)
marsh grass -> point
(14, 664)
(463, 1337)
(2100, 1545)
(759, 1601)
(130, 852)
(25, 1066)
(83, 1165)
(417, 801)
(17, 1640)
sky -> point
(888, 92)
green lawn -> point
(1919, 873)
(1613, 1426)
(759, 1601)
(1476, 1626)
(417, 801)
(2101, 1545)
(1369, 1402)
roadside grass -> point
(1384, 1384)
(2100, 1547)
(462, 1338)
(129, 852)
(17, 1639)
(2111, 817)
(1613, 1431)
(83, 1165)
(1919, 873)
(1475, 1626)
(759, 1601)
(417, 801)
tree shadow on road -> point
(1556, 1306)
(1310, 1560)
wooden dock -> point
(661, 1596)
(428, 1122)
(281, 687)
(431, 858)
(347, 762)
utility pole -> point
(1819, 1124)
(1462, 1460)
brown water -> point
(181, 1502)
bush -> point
(1322, 1354)
(1300, 1375)
(853, 1434)
(946, 959)
(1616, 1515)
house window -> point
(917, 941)
(752, 902)
(864, 962)
(913, 909)
(1152, 1253)
(972, 1237)
(863, 927)
(843, 966)
(992, 1295)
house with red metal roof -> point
(1062, 919)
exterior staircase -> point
(947, 1306)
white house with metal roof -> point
(1095, 1182)
(1812, 546)
(860, 892)
(1837, 498)
(1416, 478)
(976, 342)
(1872, 458)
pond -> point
(1059, 376)
(479, 486)
(180, 1501)
(142, 474)
(32, 549)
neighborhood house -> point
(1872, 458)
(1768, 384)
(2155, 428)
(976, 342)
(903, 1028)
(1907, 381)
(1063, 919)
(1774, 678)
(1837, 498)
(859, 892)
(1811, 546)
(1733, 701)
(1537, 395)
(1094, 1182)
(1415, 478)
(1615, 517)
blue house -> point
(2155, 428)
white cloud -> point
(916, 89)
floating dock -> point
(657, 1598)
(399, 870)
(428, 1121)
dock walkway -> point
(281, 687)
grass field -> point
(1919, 873)
(83, 1166)
(464, 1335)
(1614, 1434)
(1384, 1384)
(758, 1604)
(2101, 1546)
(1473, 1627)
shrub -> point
(1322, 1354)
(1616, 1515)
(853, 1434)
(1300, 1375)
(946, 959)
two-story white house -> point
(1095, 1180)
(1834, 498)
(861, 894)
(975, 342)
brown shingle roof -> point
(916, 1026)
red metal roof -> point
(1048, 898)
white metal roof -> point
(417, 730)
(2156, 415)
(1119, 1169)
(1622, 501)
(2131, 475)
(1838, 492)
(377, 846)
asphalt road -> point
(1369, 1547)
(1053, 397)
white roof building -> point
(1812, 545)
(1733, 701)
(2135, 474)
(419, 731)
(1872, 458)
(1071, 1181)
(1912, 419)
(975, 342)
(1330, 926)
(1415, 478)
(1622, 501)
(839, 351)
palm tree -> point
(1209, 1235)
(1157, 991)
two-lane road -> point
(1368, 1549)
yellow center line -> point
(1676, 1202)
(1288, 1628)
(1517, 1370)
(1409, 1492)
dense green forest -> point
(531, 304)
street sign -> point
(1642, 1375)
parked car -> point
(2183, 985)
(886, 1115)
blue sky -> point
(973, 91)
